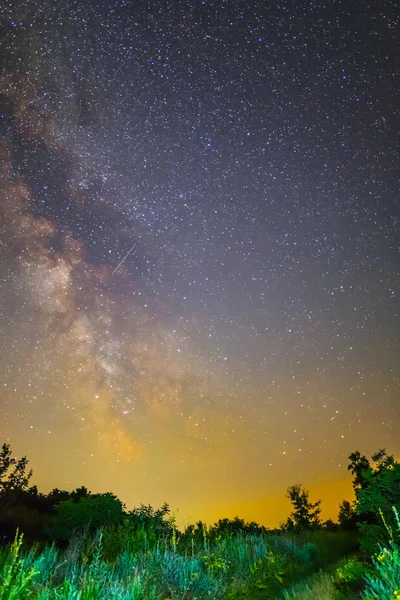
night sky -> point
(199, 251)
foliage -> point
(384, 584)
(319, 586)
(123, 538)
(347, 516)
(13, 475)
(146, 517)
(377, 490)
(330, 525)
(30, 522)
(106, 553)
(229, 527)
(382, 490)
(359, 464)
(239, 567)
(15, 578)
(350, 573)
(372, 537)
(342, 581)
(271, 573)
(93, 511)
(183, 578)
(305, 514)
(214, 563)
(282, 563)
(327, 547)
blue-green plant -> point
(15, 575)
(384, 582)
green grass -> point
(233, 567)
(317, 587)
(240, 567)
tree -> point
(91, 512)
(381, 489)
(305, 514)
(376, 496)
(347, 516)
(358, 466)
(383, 460)
(330, 525)
(79, 493)
(55, 497)
(230, 527)
(149, 519)
(13, 475)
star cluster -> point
(199, 249)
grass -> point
(232, 567)
(240, 567)
(319, 586)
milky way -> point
(199, 246)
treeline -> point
(60, 514)
(373, 513)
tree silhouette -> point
(347, 516)
(383, 460)
(79, 493)
(305, 514)
(149, 519)
(13, 475)
(358, 466)
(330, 525)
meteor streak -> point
(125, 257)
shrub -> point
(15, 574)
(350, 575)
(384, 582)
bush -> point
(384, 582)
(15, 578)
(90, 512)
(350, 574)
(330, 546)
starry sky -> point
(199, 250)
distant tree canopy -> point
(236, 525)
(224, 528)
(59, 514)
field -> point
(308, 566)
